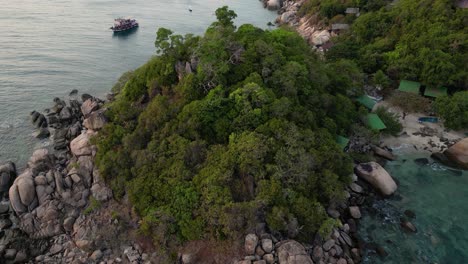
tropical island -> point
(244, 145)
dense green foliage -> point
(390, 120)
(454, 110)
(422, 40)
(242, 132)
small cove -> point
(437, 196)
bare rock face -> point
(459, 153)
(320, 37)
(7, 176)
(89, 106)
(293, 252)
(287, 16)
(377, 176)
(96, 120)
(274, 4)
(80, 146)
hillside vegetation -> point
(424, 40)
(220, 132)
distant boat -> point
(190, 9)
(124, 24)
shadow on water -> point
(125, 34)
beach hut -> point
(366, 101)
(435, 92)
(374, 122)
(352, 10)
(409, 86)
(338, 26)
(342, 141)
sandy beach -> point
(428, 137)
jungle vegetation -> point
(219, 132)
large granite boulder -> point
(458, 153)
(23, 193)
(7, 176)
(89, 106)
(273, 4)
(96, 120)
(292, 252)
(377, 176)
(80, 146)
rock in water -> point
(459, 153)
(42, 133)
(377, 176)
(293, 252)
(383, 153)
(274, 4)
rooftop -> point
(340, 26)
(366, 101)
(373, 121)
(435, 92)
(409, 86)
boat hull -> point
(125, 29)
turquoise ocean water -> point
(438, 197)
(48, 48)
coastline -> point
(422, 137)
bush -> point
(390, 120)
(454, 110)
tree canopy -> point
(223, 131)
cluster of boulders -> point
(316, 33)
(343, 245)
(44, 204)
(263, 248)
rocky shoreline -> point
(314, 31)
(58, 210)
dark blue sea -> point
(48, 48)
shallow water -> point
(438, 197)
(48, 48)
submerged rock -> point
(377, 176)
(421, 161)
(408, 226)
